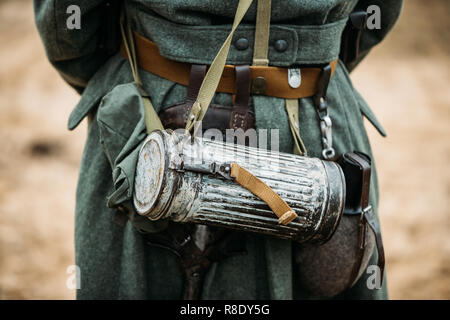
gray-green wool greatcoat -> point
(115, 262)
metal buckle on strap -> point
(367, 210)
(223, 169)
(214, 168)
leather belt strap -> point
(196, 246)
(218, 116)
(367, 218)
(150, 59)
(250, 182)
(239, 115)
(196, 77)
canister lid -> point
(149, 177)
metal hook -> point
(322, 112)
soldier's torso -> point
(115, 261)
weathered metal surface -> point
(313, 188)
(151, 166)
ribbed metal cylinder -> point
(313, 188)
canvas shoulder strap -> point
(214, 73)
(261, 58)
(262, 33)
(152, 121)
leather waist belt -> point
(269, 81)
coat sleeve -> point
(78, 53)
(390, 12)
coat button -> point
(281, 45)
(241, 44)
(259, 85)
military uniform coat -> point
(115, 261)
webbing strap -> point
(214, 73)
(152, 121)
(262, 32)
(260, 58)
(294, 124)
(250, 182)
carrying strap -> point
(214, 73)
(250, 182)
(152, 121)
(239, 117)
(262, 32)
(260, 58)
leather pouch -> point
(328, 269)
(218, 117)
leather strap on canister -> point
(250, 182)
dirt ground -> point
(405, 80)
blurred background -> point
(405, 80)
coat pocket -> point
(121, 121)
